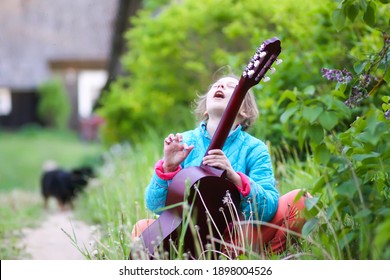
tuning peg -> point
(250, 73)
(262, 54)
(272, 70)
(266, 79)
(278, 61)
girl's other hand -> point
(175, 152)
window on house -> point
(90, 84)
(5, 102)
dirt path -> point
(49, 242)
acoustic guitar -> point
(204, 189)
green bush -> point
(176, 50)
(351, 220)
(54, 106)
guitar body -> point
(207, 189)
(207, 186)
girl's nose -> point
(221, 85)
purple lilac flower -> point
(365, 80)
(341, 76)
(387, 114)
(358, 94)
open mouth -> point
(219, 94)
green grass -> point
(117, 201)
(22, 155)
(18, 209)
(291, 172)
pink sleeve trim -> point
(246, 186)
(160, 171)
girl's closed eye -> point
(231, 85)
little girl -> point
(246, 160)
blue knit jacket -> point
(246, 154)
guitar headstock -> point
(261, 61)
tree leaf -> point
(309, 226)
(382, 234)
(316, 133)
(352, 11)
(341, 108)
(346, 239)
(302, 132)
(359, 66)
(309, 90)
(310, 202)
(319, 184)
(363, 213)
(322, 154)
(328, 120)
(311, 113)
(370, 14)
(287, 94)
(362, 157)
(288, 113)
(386, 77)
(347, 189)
(338, 18)
(359, 124)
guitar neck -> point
(228, 117)
(260, 63)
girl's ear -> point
(205, 114)
(243, 114)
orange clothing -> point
(271, 238)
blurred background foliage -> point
(177, 48)
(54, 106)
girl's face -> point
(219, 95)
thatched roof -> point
(35, 32)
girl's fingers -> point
(171, 138)
(178, 137)
(187, 149)
(215, 152)
(216, 164)
(215, 157)
(212, 159)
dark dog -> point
(64, 185)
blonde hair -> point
(249, 106)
